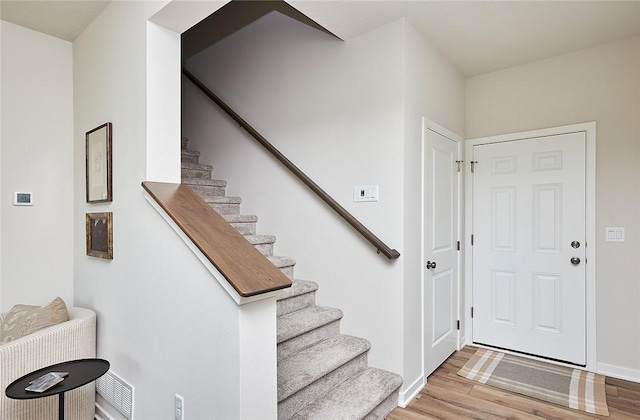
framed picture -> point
(100, 235)
(98, 164)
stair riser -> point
(190, 158)
(208, 190)
(295, 303)
(265, 249)
(293, 345)
(384, 408)
(301, 399)
(196, 173)
(226, 208)
(288, 271)
(245, 228)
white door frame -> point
(430, 125)
(590, 131)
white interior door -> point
(441, 254)
(529, 277)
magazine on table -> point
(46, 381)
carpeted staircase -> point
(322, 374)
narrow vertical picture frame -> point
(98, 164)
(100, 235)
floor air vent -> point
(117, 392)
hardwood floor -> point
(449, 396)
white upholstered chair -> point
(70, 340)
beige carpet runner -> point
(573, 388)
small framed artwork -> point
(98, 164)
(100, 235)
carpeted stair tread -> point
(369, 388)
(190, 153)
(263, 243)
(204, 182)
(284, 264)
(301, 294)
(280, 261)
(299, 287)
(196, 166)
(222, 199)
(240, 218)
(305, 367)
(190, 156)
(306, 319)
(260, 239)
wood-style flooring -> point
(449, 396)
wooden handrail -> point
(241, 264)
(342, 212)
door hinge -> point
(472, 240)
(458, 245)
(472, 312)
(473, 165)
(458, 324)
(459, 162)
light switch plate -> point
(614, 234)
(365, 193)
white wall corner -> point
(407, 395)
(163, 104)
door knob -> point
(575, 244)
(431, 265)
(575, 260)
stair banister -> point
(342, 212)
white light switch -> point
(365, 193)
(614, 234)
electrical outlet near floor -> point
(179, 407)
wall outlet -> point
(179, 407)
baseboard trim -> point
(618, 372)
(406, 396)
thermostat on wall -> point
(22, 199)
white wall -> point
(599, 84)
(37, 157)
(434, 89)
(164, 324)
(346, 113)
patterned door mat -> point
(573, 388)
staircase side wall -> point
(335, 109)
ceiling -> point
(58, 18)
(476, 36)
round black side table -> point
(81, 372)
